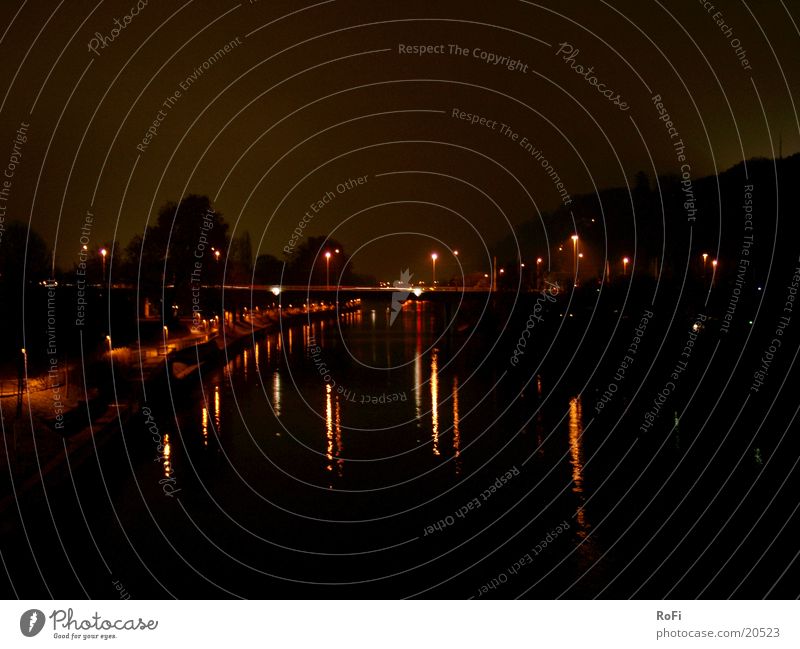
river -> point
(364, 457)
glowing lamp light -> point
(276, 290)
(418, 291)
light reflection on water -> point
(446, 381)
(456, 429)
(576, 459)
(166, 456)
(276, 393)
(418, 374)
(338, 418)
(216, 409)
(329, 425)
(333, 431)
(339, 445)
(435, 401)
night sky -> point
(309, 95)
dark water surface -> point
(359, 458)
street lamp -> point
(455, 253)
(625, 262)
(713, 271)
(103, 253)
(434, 257)
(575, 256)
(166, 333)
(108, 340)
(328, 269)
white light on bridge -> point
(276, 290)
(418, 291)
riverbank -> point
(34, 447)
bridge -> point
(277, 289)
(296, 292)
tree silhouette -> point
(267, 270)
(240, 260)
(24, 254)
(178, 251)
(25, 260)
